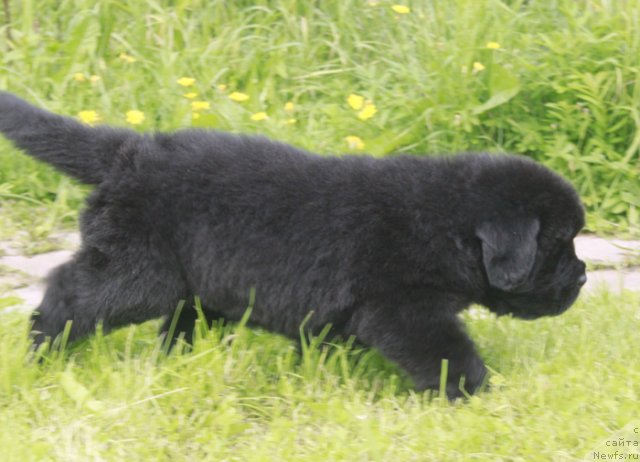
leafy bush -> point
(556, 81)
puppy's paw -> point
(54, 328)
(463, 378)
(467, 382)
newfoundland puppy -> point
(386, 250)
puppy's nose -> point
(582, 279)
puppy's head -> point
(526, 241)
(530, 272)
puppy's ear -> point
(508, 250)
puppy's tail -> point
(84, 152)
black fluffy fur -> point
(386, 250)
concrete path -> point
(613, 262)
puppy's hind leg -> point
(113, 290)
(58, 305)
(182, 323)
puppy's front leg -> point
(418, 340)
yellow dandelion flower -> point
(354, 142)
(368, 111)
(127, 58)
(222, 87)
(200, 105)
(239, 97)
(79, 77)
(195, 116)
(355, 101)
(291, 121)
(493, 45)
(258, 116)
(401, 9)
(135, 117)
(95, 78)
(190, 95)
(478, 67)
(289, 107)
(186, 81)
(89, 117)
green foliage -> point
(247, 395)
(562, 86)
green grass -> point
(562, 87)
(561, 388)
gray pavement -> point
(613, 263)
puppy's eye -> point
(573, 233)
(558, 244)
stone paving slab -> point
(618, 259)
(612, 252)
(37, 266)
(31, 296)
(614, 280)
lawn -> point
(558, 81)
(560, 389)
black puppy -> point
(389, 251)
